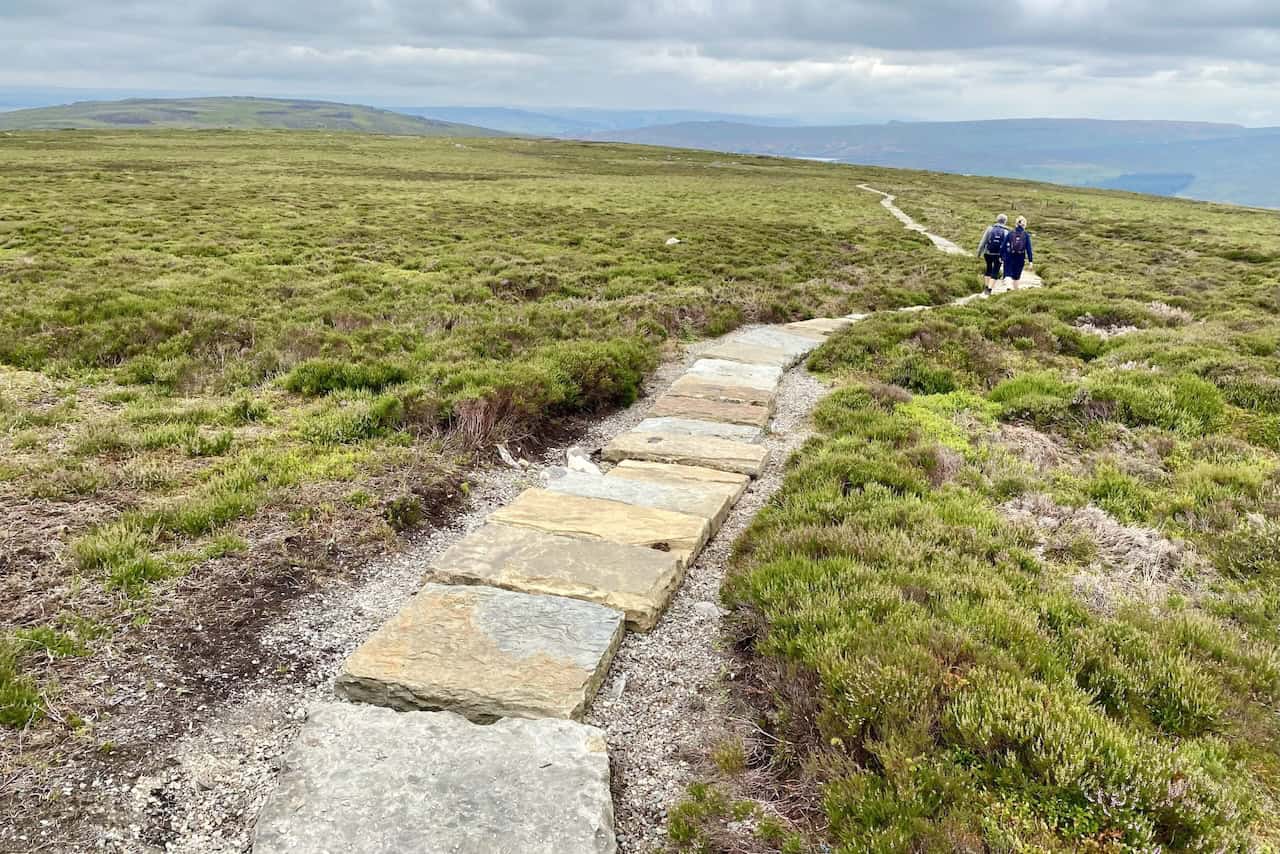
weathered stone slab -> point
(735, 350)
(706, 409)
(711, 507)
(818, 326)
(741, 457)
(635, 580)
(692, 385)
(695, 477)
(486, 653)
(375, 781)
(701, 427)
(612, 521)
(777, 338)
(737, 373)
(720, 486)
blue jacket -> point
(1031, 258)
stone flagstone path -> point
(517, 624)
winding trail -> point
(1029, 278)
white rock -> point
(577, 459)
(673, 241)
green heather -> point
(931, 669)
(947, 641)
(204, 334)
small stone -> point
(577, 459)
(708, 610)
(506, 457)
(673, 241)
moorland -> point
(237, 365)
(1019, 593)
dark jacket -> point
(986, 238)
(1031, 258)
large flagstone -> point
(701, 427)
(741, 457)
(693, 385)
(710, 506)
(778, 338)
(764, 377)
(680, 534)
(707, 409)
(486, 653)
(375, 781)
(735, 350)
(635, 580)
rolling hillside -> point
(580, 122)
(1213, 162)
(232, 113)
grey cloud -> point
(898, 57)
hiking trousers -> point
(993, 266)
(1013, 265)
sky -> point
(820, 59)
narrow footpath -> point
(515, 630)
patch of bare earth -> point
(1128, 562)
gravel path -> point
(664, 694)
(216, 779)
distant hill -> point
(236, 113)
(579, 121)
(1216, 162)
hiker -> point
(1017, 252)
(990, 248)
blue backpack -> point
(995, 240)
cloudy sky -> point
(937, 59)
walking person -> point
(1017, 252)
(990, 249)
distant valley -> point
(1196, 160)
(1214, 162)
